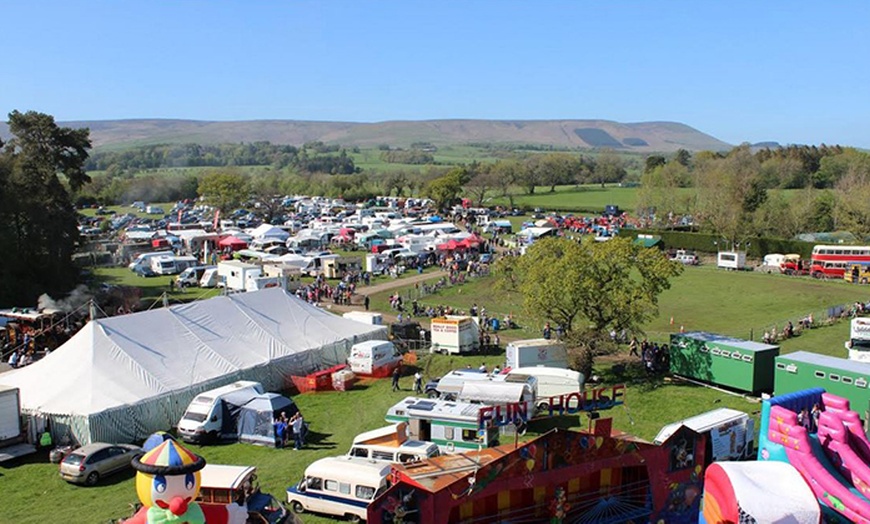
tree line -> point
(313, 157)
(735, 194)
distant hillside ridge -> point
(643, 137)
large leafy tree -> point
(226, 189)
(589, 288)
(38, 225)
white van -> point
(391, 444)
(212, 415)
(552, 382)
(191, 276)
(341, 486)
(375, 358)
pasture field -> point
(701, 298)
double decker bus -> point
(833, 261)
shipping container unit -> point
(804, 370)
(725, 361)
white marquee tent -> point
(122, 378)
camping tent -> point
(120, 379)
(269, 231)
(257, 416)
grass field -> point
(702, 298)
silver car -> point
(88, 464)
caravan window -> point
(344, 488)
(331, 485)
(365, 492)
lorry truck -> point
(536, 352)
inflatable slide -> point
(783, 439)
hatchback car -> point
(88, 464)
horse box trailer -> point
(734, 363)
(455, 334)
(536, 352)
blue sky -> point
(793, 72)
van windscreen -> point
(195, 417)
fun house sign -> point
(588, 400)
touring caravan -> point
(454, 426)
(143, 261)
(536, 352)
(341, 486)
(552, 382)
(213, 415)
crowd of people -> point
(656, 358)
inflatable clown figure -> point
(167, 482)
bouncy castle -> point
(822, 438)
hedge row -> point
(706, 243)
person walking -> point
(418, 382)
(366, 302)
(298, 425)
(396, 375)
(632, 346)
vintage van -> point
(341, 486)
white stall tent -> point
(122, 378)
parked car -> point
(88, 464)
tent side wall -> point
(135, 422)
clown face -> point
(168, 492)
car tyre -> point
(433, 394)
(353, 518)
(92, 478)
(297, 507)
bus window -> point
(314, 483)
(344, 488)
(330, 485)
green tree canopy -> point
(225, 190)
(38, 224)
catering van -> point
(374, 358)
(213, 415)
(552, 382)
(341, 486)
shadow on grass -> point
(542, 425)
(317, 440)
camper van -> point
(452, 425)
(501, 393)
(391, 444)
(551, 382)
(143, 261)
(171, 265)
(536, 352)
(213, 415)
(375, 358)
(221, 485)
(341, 486)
